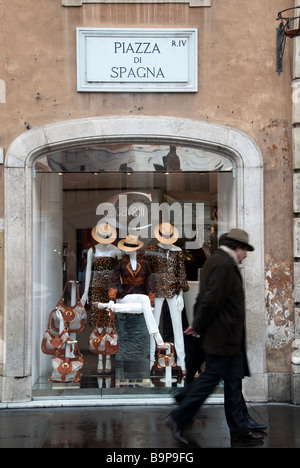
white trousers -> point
(175, 314)
(138, 304)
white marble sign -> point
(137, 60)
(192, 3)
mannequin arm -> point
(88, 274)
(180, 301)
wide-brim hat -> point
(166, 233)
(240, 236)
(130, 244)
(104, 233)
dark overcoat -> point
(219, 311)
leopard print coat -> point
(168, 271)
(103, 270)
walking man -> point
(219, 318)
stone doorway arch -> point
(18, 348)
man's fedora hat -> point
(104, 233)
(240, 236)
(166, 233)
(130, 244)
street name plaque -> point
(136, 60)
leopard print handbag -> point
(105, 342)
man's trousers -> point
(231, 370)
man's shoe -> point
(254, 426)
(248, 437)
(176, 432)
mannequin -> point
(137, 282)
(170, 280)
(102, 258)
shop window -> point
(133, 188)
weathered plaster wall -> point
(274, 141)
(238, 86)
(237, 80)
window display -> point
(131, 226)
(167, 264)
(101, 261)
(132, 285)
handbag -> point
(53, 342)
(166, 360)
(66, 369)
(74, 316)
(105, 342)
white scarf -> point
(232, 254)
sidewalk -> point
(136, 427)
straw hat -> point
(104, 233)
(130, 244)
(166, 233)
(240, 236)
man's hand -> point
(191, 331)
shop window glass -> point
(134, 188)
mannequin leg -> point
(147, 311)
(178, 332)
(104, 368)
(100, 364)
(135, 308)
(107, 365)
(138, 303)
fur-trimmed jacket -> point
(125, 281)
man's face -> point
(241, 254)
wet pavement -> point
(139, 427)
